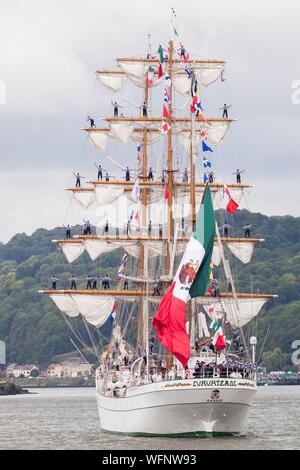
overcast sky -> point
(50, 49)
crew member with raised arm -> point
(53, 280)
(225, 110)
(116, 107)
(78, 179)
(100, 170)
(225, 227)
(92, 121)
(238, 175)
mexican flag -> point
(191, 280)
(219, 338)
(150, 76)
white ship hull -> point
(179, 408)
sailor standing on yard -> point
(247, 228)
(100, 169)
(89, 282)
(95, 282)
(68, 232)
(106, 228)
(87, 225)
(149, 228)
(150, 174)
(53, 279)
(225, 110)
(73, 280)
(116, 108)
(185, 177)
(105, 282)
(144, 109)
(225, 227)
(127, 174)
(92, 122)
(78, 179)
(238, 175)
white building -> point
(15, 370)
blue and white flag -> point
(206, 163)
(168, 80)
(189, 72)
(166, 97)
(205, 147)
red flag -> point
(160, 71)
(187, 58)
(166, 113)
(167, 194)
(220, 343)
(231, 205)
(169, 321)
(165, 127)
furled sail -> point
(202, 326)
(106, 194)
(243, 251)
(98, 139)
(238, 312)
(97, 247)
(114, 80)
(84, 197)
(137, 72)
(72, 250)
(66, 304)
(94, 308)
(121, 131)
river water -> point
(67, 418)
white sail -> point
(85, 198)
(113, 81)
(206, 73)
(106, 194)
(182, 84)
(97, 247)
(239, 312)
(121, 131)
(216, 131)
(209, 74)
(94, 308)
(98, 139)
(152, 136)
(202, 326)
(66, 304)
(243, 251)
(216, 255)
(137, 72)
(72, 251)
(133, 69)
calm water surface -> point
(67, 418)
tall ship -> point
(180, 356)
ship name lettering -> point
(214, 383)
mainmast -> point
(170, 161)
(143, 318)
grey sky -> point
(50, 49)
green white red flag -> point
(191, 280)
